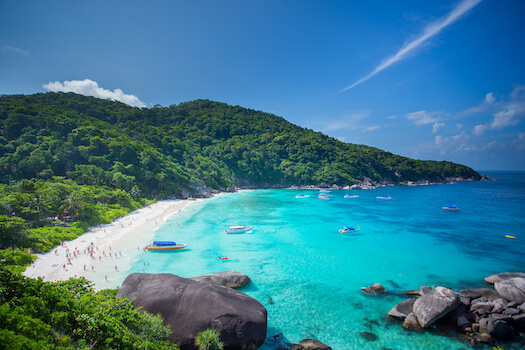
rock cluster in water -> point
(484, 314)
(190, 307)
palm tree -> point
(71, 205)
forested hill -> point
(162, 151)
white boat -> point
(238, 229)
(165, 245)
(451, 208)
(323, 196)
(349, 229)
(385, 198)
(302, 196)
(351, 196)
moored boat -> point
(238, 229)
(302, 196)
(351, 196)
(165, 245)
(451, 208)
(349, 229)
(385, 198)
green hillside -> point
(162, 151)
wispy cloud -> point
(89, 87)
(11, 49)
(431, 30)
(351, 122)
(424, 117)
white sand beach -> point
(105, 253)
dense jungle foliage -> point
(68, 162)
(162, 151)
(70, 315)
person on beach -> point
(116, 267)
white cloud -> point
(505, 113)
(424, 117)
(10, 49)
(436, 127)
(350, 122)
(89, 87)
(371, 128)
(489, 98)
(459, 126)
(431, 30)
(454, 143)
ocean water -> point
(309, 276)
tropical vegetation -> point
(68, 162)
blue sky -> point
(440, 80)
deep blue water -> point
(309, 276)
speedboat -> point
(238, 229)
(323, 196)
(165, 245)
(451, 208)
(385, 198)
(349, 229)
(351, 196)
(302, 196)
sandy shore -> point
(105, 253)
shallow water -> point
(309, 276)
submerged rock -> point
(368, 336)
(232, 279)
(433, 305)
(190, 307)
(313, 344)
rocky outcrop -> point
(431, 306)
(402, 309)
(375, 288)
(232, 279)
(498, 277)
(484, 314)
(512, 289)
(190, 307)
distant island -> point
(189, 149)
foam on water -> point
(309, 276)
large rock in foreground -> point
(190, 307)
(232, 279)
(512, 289)
(433, 305)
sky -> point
(432, 80)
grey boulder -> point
(435, 304)
(190, 307)
(232, 279)
(402, 309)
(512, 289)
(498, 277)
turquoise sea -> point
(309, 276)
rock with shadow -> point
(190, 307)
(435, 304)
(232, 279)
